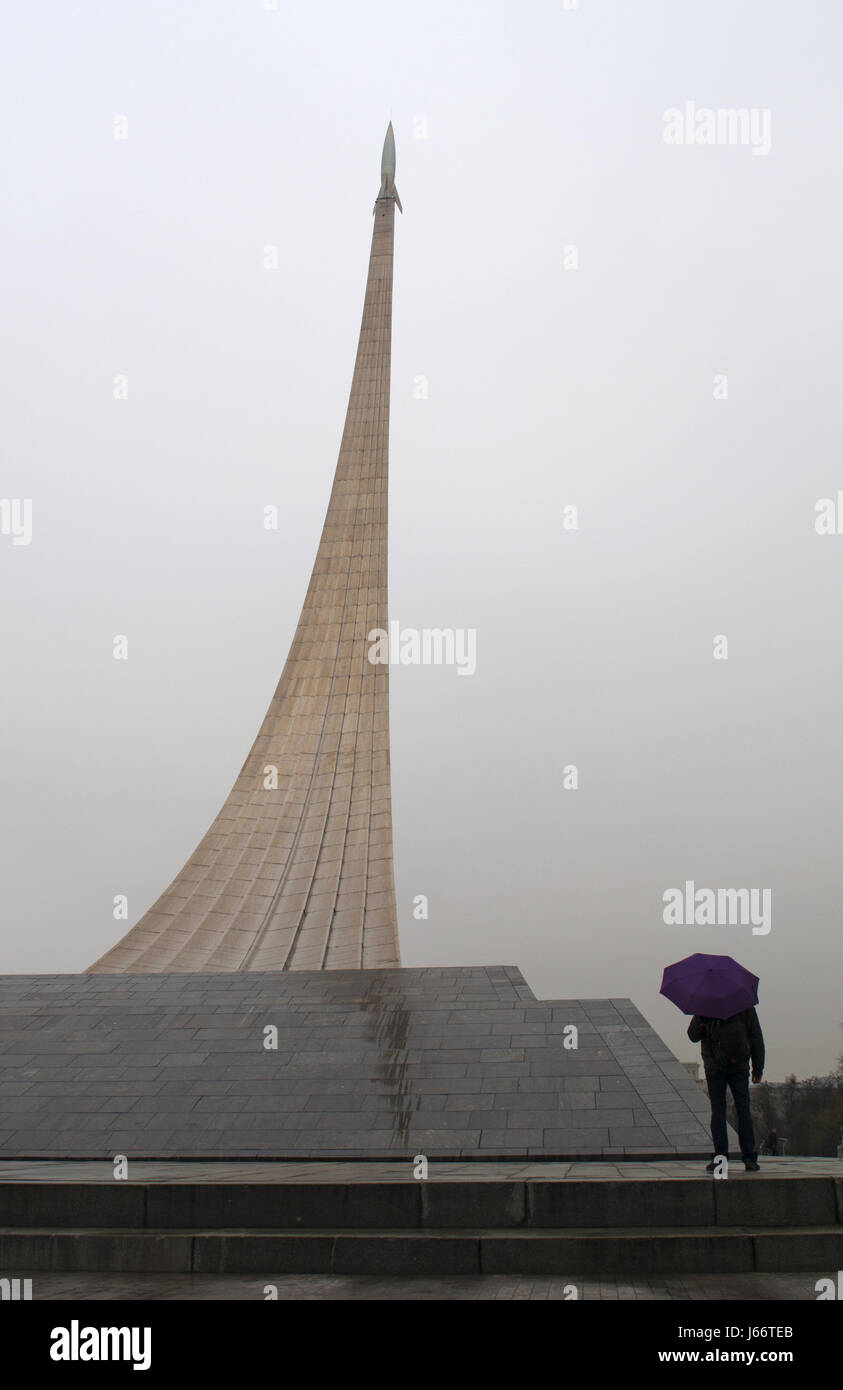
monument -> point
(259, 1008)
(296, 871)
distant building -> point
(693, 1070)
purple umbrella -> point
(715, 986)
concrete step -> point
(743, 1200)
(570, 1226)
(574, 1253)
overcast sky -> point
(521, 130)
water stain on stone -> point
(387, 1025)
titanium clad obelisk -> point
(296, 871)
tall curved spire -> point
(296, 871)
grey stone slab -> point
(441, 1139)
(795, 1250)
(666, 1107)
(89, 1250)
(430, 1254)
(776, 1202)
(87, 1123)
(616, 1100)
(255, 1254)
(470, 1100)
(257, 1206)
(615, 1083)
(439, 1071)
(535, 1026)
(635, 1134)
(451, 1205)
(497, 1140)
(573, 1066)
(609, 1255)
(499, 1070)
(160, 1105)
(538, 1119)
(559, 1140)
(118, 1204)
(217, 1091)
(528, 1100)
(619, 1204)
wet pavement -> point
(321, 1287)
(73, 1170)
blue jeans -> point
(738, 1083)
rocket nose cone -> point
(388, 156)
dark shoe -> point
(752, 1166)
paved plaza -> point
(379, 1171)
(319, 1287)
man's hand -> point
(756, 1077)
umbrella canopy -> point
(715, 986)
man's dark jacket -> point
(698, 1032)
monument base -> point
(452, 1063)
(570, 1220)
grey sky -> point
(521, 130)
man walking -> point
(728, 1046)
